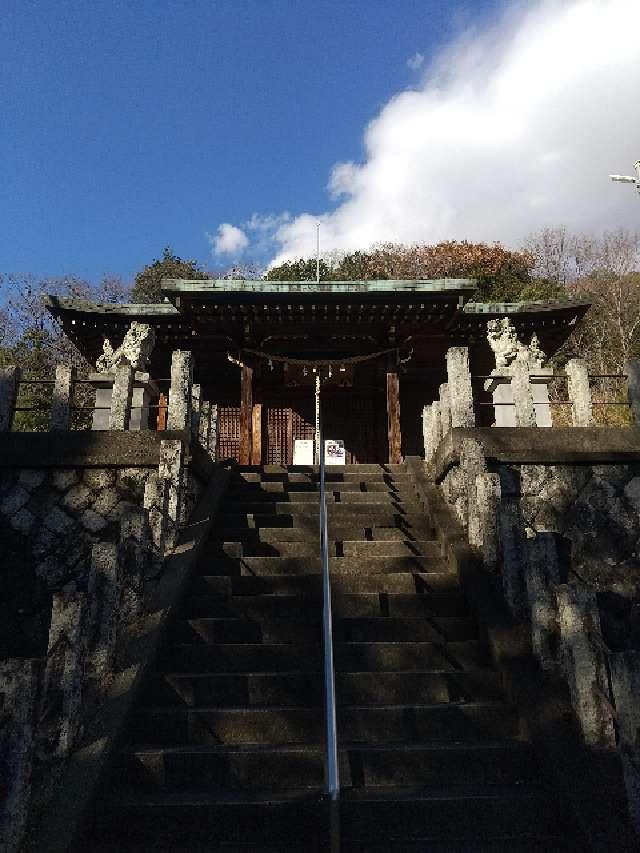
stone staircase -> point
(225, 750)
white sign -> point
(303, 452)
(334, 452)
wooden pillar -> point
(246, 412)
(393, 417)
(256, 434)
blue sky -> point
(129, 126)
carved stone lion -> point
(135, 349)
(506, 347)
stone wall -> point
(49, 520)
(565, 540)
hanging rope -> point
(319, 362)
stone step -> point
(369, 505)
(399, 606)
(230, 566)
(542, 843)
(395, 656)
(392, 548)
(354, 516)
(456, 813)
(288, 470)
(160, 820)
(252, 766)
(256, 689)
(241, 657)
(310, 547)
(311, 533)
(239, 491)
(182, 725)
(459, 814)
(439, 585)
(349, 657)
(226, 629)
(331, 476)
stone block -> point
(542, 576)
(60, 418)
(525, 413)
(583, 657)
(513, 552)
(121, 397)
(134, 557)
(486, 512)
(51, 570)
(155, 496)
(92, 521)
(625, 684)
(171, 472)
(579, 392)
(632, 371)
(19, 690)
(472, 463)
(64, 673)
(63, 480)
(105, 502)
(31, 479)
(445, 409)
(632, 493)
(14, 500)
(98, 479)
(57, 521)
(104, 592)
(436, 426)
(77, 498)
(23, 521)
(9, 384)
(119, 509)
(459, 387)
(180, 400)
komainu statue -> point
(135, 349)
(506, 347)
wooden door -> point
(228, 444)
(354, 418)
(283, 423)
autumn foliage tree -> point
(502, 274)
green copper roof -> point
(180, 286)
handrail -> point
(332, 774)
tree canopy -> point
(502, 274)
(146, 285)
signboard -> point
(334, 452)
(303, 451)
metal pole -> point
(317, 436)
(333, 781)
(317, 252)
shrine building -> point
(378, 346)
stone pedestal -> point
(144, 392)
(501, 389)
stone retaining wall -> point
(565, 540)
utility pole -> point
(318, 252)
(629, 179)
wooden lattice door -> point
(282, 425)
(228, 432)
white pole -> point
(318, 252)
(317, 453)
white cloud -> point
(511, 129)
(228, 240)
(415, 62)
